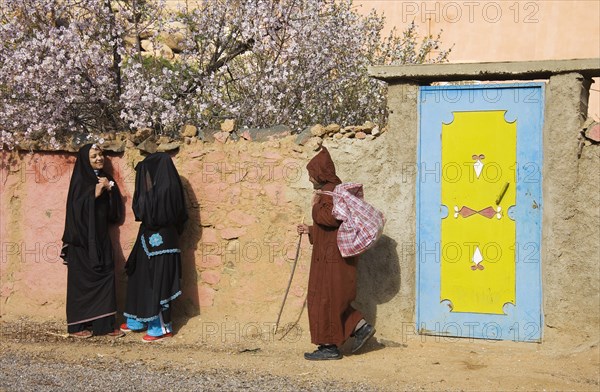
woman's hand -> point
(102, 184)
(302, 229)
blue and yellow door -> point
(479, 211)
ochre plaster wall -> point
(244, 201)
(571, 217)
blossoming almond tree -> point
(265, 62)
(66, 68)
(60, 67)
(56, 69)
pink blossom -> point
(65, 68)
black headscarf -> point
(80, 221)
(158, 199)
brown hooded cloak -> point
(332, 279)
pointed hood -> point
(322, 169)
(158, 200)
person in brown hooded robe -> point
(332, 278)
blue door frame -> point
(522, 103)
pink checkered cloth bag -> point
(362, 224)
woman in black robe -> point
(154, 265)
(93, 202)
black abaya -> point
(91, 298)
(154, 266)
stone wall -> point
(571, 215)
(570, 253)
(244, 201)
(246, 197)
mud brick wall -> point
(245, 198)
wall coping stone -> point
(488, 71)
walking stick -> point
(295, 322)
(290, 281)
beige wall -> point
(504, 30)
(245, 198)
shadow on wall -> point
(121, 246)
(120, 254)
(378, 278)
(188, 305)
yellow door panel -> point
(477, 236)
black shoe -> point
(323, 353)
(361, 336)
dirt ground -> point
(419, 363)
